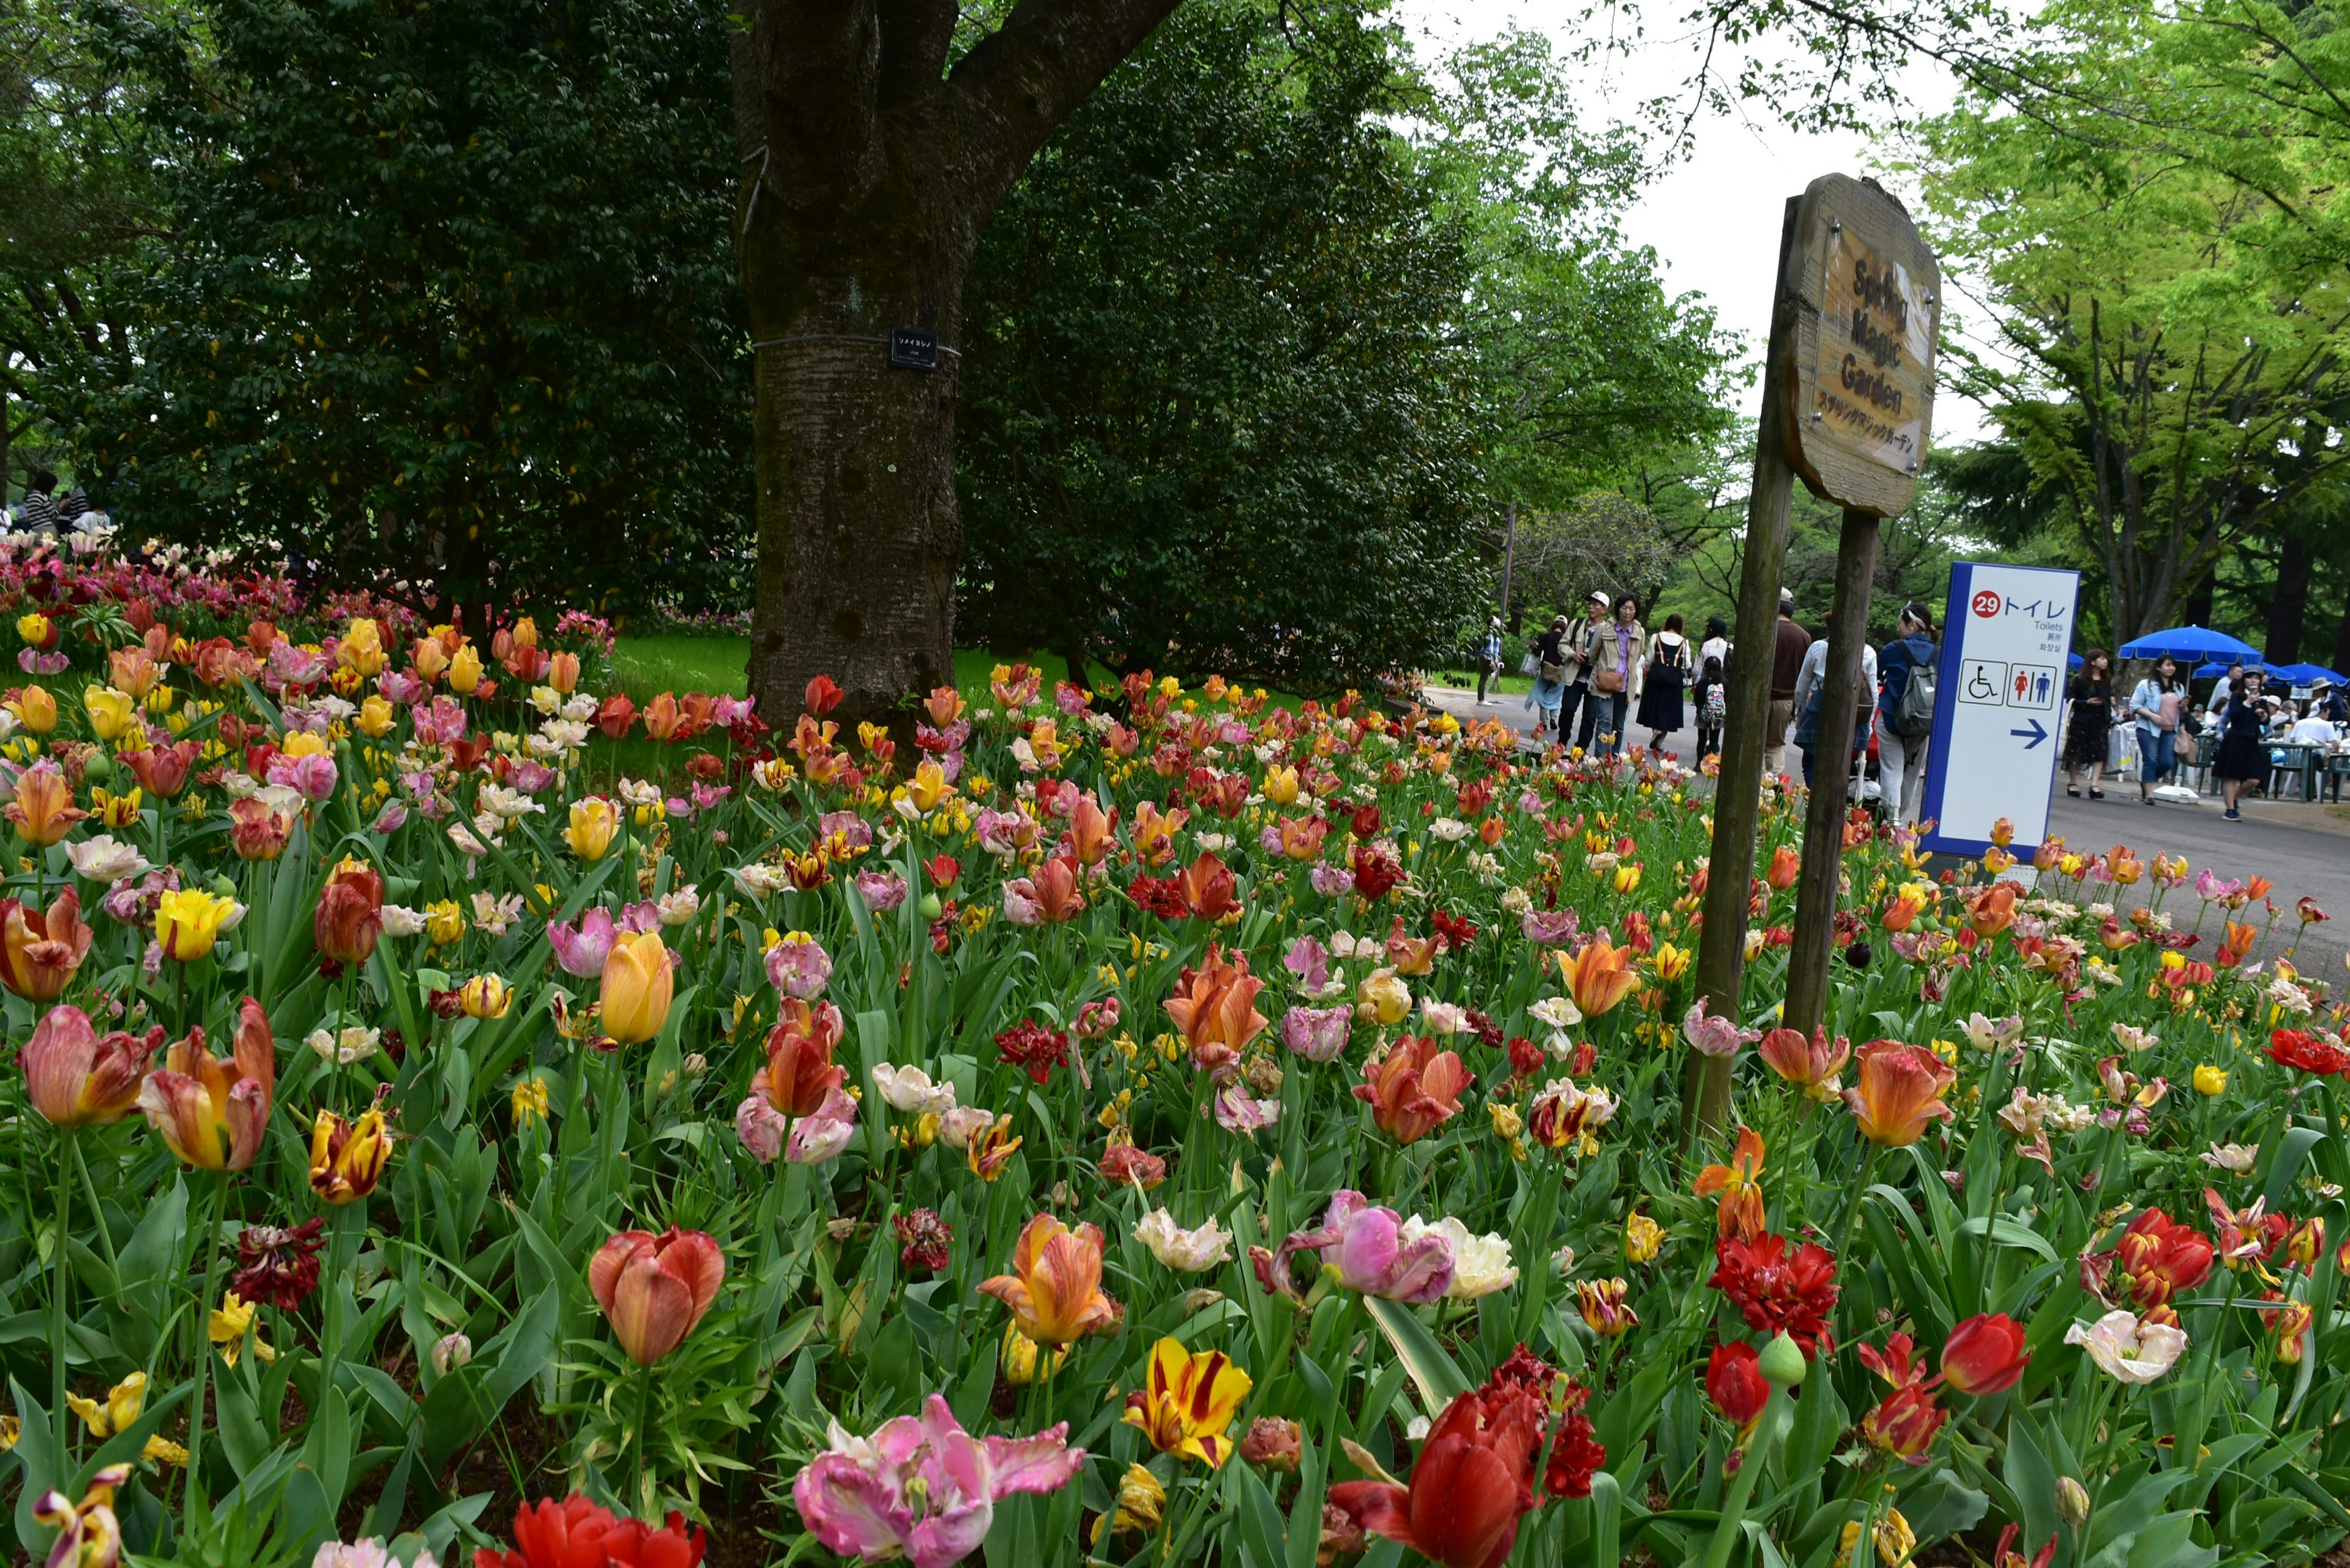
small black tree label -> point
(913, 349)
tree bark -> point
(2289, 605)
(870, 172)
(1843, 689)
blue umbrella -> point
(2310, 674)
(2184, 642)
(2074, 661)
(2212, 671)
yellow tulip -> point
(444, 922)
(594, 822)
(36, 709)
(33, 628)
(2210, 1080)
(188, 920)
(486, 996)
(375, 717)
(347, 1158)
(121, 1412)
(1281, 785)
(1187, 1405)
(109, 711)
(928, 786)
(637, 987)
(1643, 1237)
(304, 744)
(361, 648)
(465, 670)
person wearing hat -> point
(1493, 669)
(1551, 673)
(1790, 643)
(1580, 647)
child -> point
(1713, 708)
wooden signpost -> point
(1847, 405)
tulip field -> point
(1143, 1125)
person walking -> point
(1551, 673)
(1579, 643)
(1615, 669)
(1492, 672)
(1904, 728)
(1811, 686)
(1712, 699)
(1790, 644)
(1670, 665)
(2242, 752)
(2155, 706)
(2089, 725)
(1717, 643)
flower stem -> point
(210, 1242)
(642, 1503)
(61, 1286)
(1727, 1533)
(1852, 1202)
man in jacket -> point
(1790, 644)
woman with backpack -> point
(1713, 708)
(1904, 712)
(1669, 668)
(2157, 705)
(1548, 656)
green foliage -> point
(443, 298)
(1251, 372)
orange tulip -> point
(1208, 891)
(1599, 976)
(44, 811)
(1090, 831)
(1898, 1092)
(1215, 1007)
(75, 1079)
(1055, 1287)
(1994, 909)
(212, 1111)
(1902, 910)
(1785, 866)
(654, 1289)
(1740, 1213)
(800, 1074)
(38, 953)
(1810, 1064)
(1154, 832)
(1414, 1089)
(1409, 955)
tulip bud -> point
(2071, 1502)
(450, 1352)
(1782, 1361)
(1274, 1443)
(930, 905)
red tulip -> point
(1984, 1355)
(1905, 1423)
(1734, 1382)
(162, 771)
(576, 1533)
(654, 1289)
(823, 695)
(38, 952)
(1475, 1475)
(74, 1079)
(349, 917)
(800, 1074)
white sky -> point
(1715, 218)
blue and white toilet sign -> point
(1998, 705)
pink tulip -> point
(1316, 1033)
(799, 966)
(582, 946)
(924, 1489)
(1365, 1244)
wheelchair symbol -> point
(1985, 682)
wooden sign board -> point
(1861, 380)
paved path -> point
(2297, 846)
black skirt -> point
(1660, 699)
(2242, 757)
(2084, 740)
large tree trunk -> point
(870, 171)
(2289, 605)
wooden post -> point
(1737, 797)
(1842, 690)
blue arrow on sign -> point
(2032, 736)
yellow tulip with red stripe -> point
(1188, 1403)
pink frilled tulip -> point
(76, 1079)
(582, 946)
(1317, 1033)
(924, 1489)
(213, 1111)
(1713, 1035)
(654, 1289)
(1368, 1248)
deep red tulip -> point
(1474, 1476)
(1984, 1355)
(349, 917)
(1734, 1382)
(576, 1533)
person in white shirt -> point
(2315, 729)
(1812, 676)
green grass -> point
(648, 665)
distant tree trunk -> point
(2197, 610)
(870, 171)
(2289, 605)
(2342, 643)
